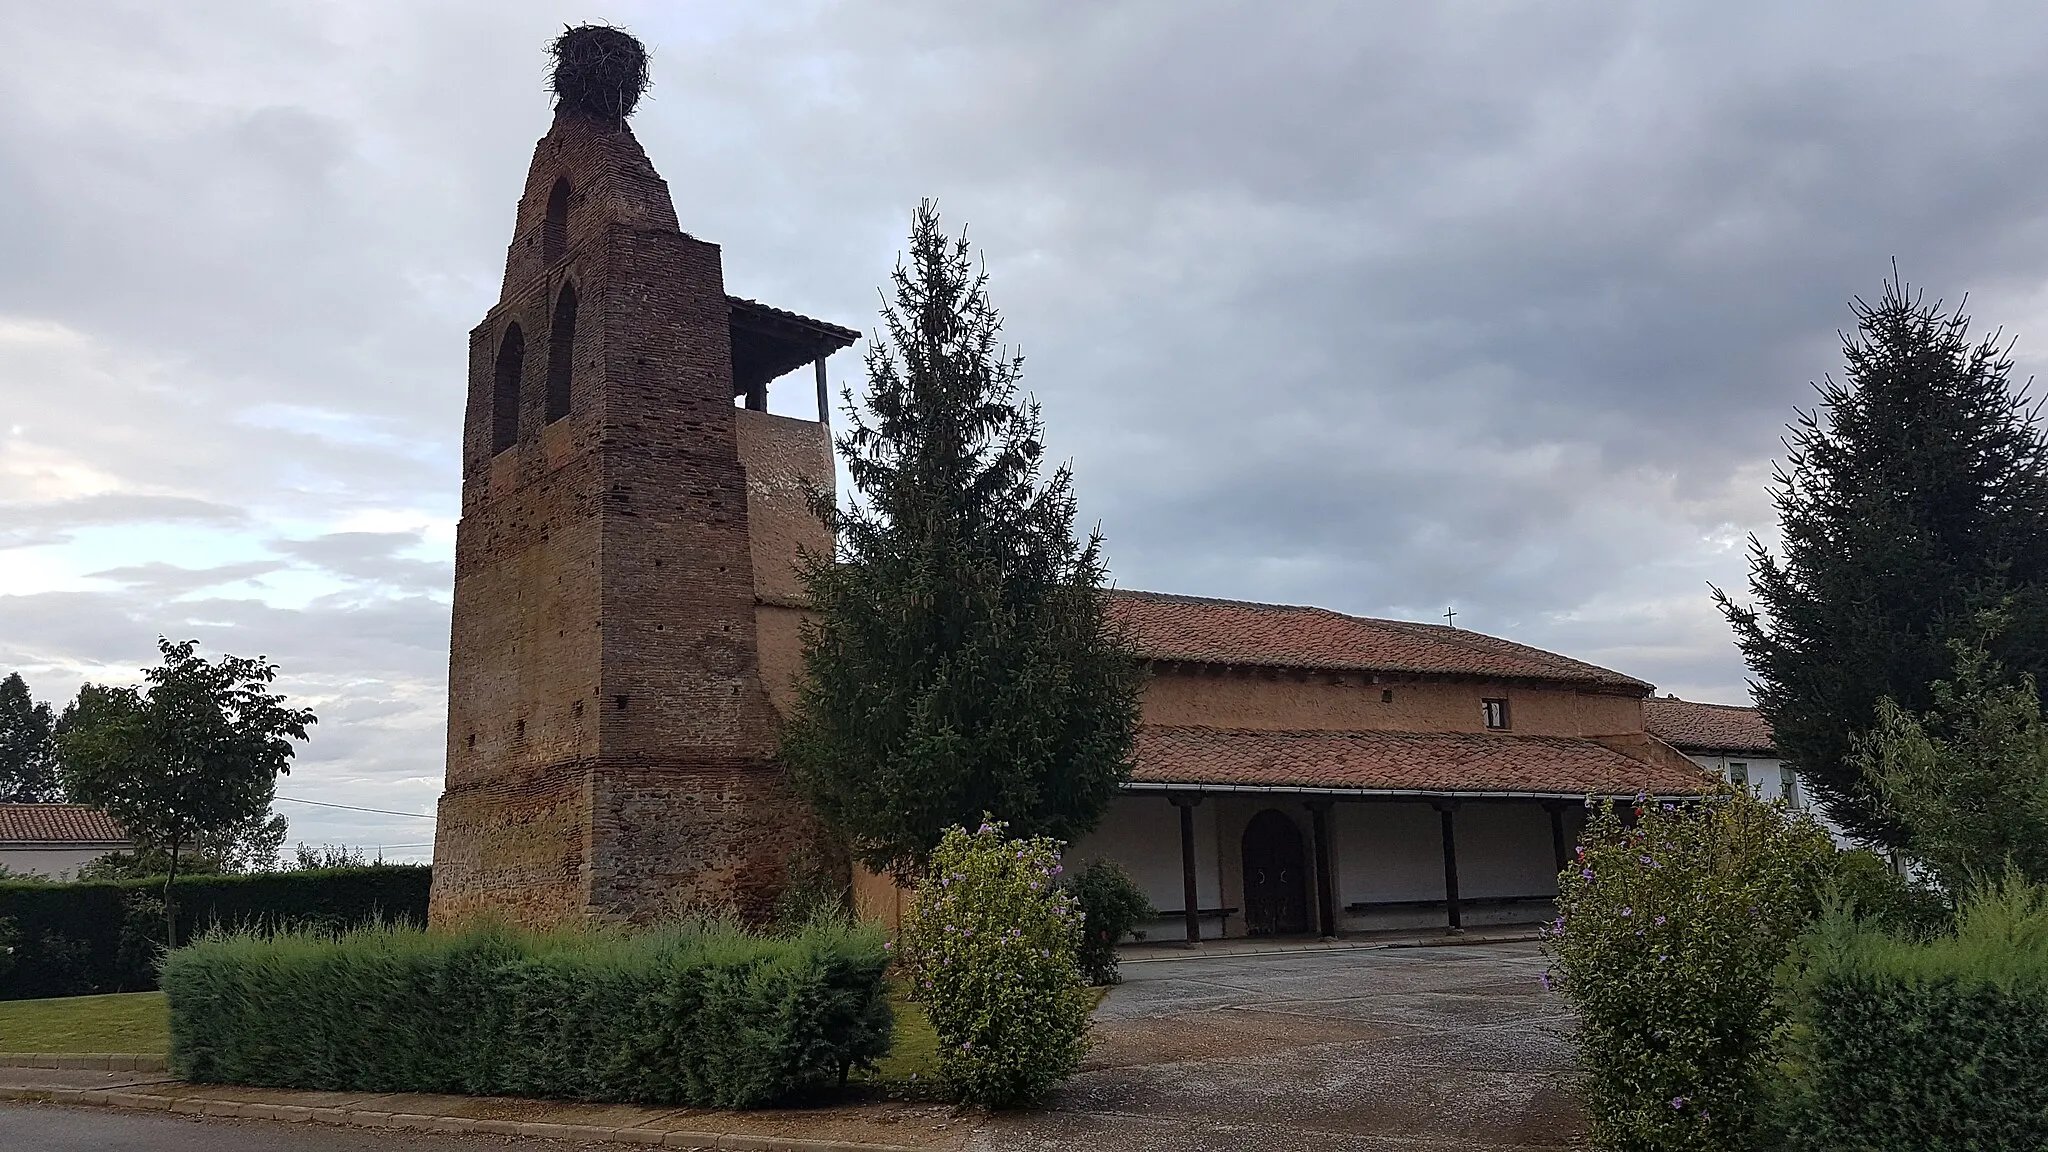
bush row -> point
(706, 1015)
(1740, 986)
(104, 936)
(1937, 1044)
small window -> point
(554, 230)
(1738, 773)
(505, 389)
(561, 351)
(1788, 785)
(1496, 713)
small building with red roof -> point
(1303, 771)
(1733, 741)
(56, 840)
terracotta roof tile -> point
(1401, 761)
(57, 824)
(1167, 627)
(1693, 727)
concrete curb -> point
(370, 1118)
(1470, 942)
(87, 1061)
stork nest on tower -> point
(599, 71)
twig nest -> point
(599, 71)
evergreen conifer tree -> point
(28, 753)
(1915, 498)
(961, 661)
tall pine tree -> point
(28, 753)
(1915, 497)
(961, 660)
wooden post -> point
(824, 394)
(1558, 848)
(757, 397)
(1186, 804)
(1456, 919)
(1326, 906)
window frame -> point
(1489, 706)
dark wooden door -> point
(1275, 876)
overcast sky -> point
(1383, 307)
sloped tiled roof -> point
(57, 824)
(1401, 761)
(1693, 727)
(1167, 627)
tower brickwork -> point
(610, 733)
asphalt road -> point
(41, 1128)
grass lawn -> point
(124, 1022)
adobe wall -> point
(785, 458)
(1351, 702)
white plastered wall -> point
(1141, 833)
(1381, 852)
(55, 863)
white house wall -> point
(55, 863)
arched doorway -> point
(1275, 876)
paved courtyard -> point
(1395, 1050)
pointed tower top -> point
(600, 71)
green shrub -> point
(1937, 1045)
(1111, 905)
(703, 1014)
(1864, 882)
(95, 936)
(1668, 937)
(989, 944)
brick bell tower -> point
(625, 604)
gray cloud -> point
(1383, 307)
(24, 524)
(157, 580)
(371, 557)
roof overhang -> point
(769, 342)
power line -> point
(354, 808)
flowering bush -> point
(1671, 925)
(989, 946)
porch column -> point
(1186, 804)
(1558, 848)
(1326, 895)
(1444, 808)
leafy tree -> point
(1968, 781)
(189, 758)
(961, 659)
(1915, 497)
(28, 753)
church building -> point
(626, 614)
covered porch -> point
(1235, 833)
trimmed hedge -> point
(1932, 1045)
(102, 935)
(705, 1015)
